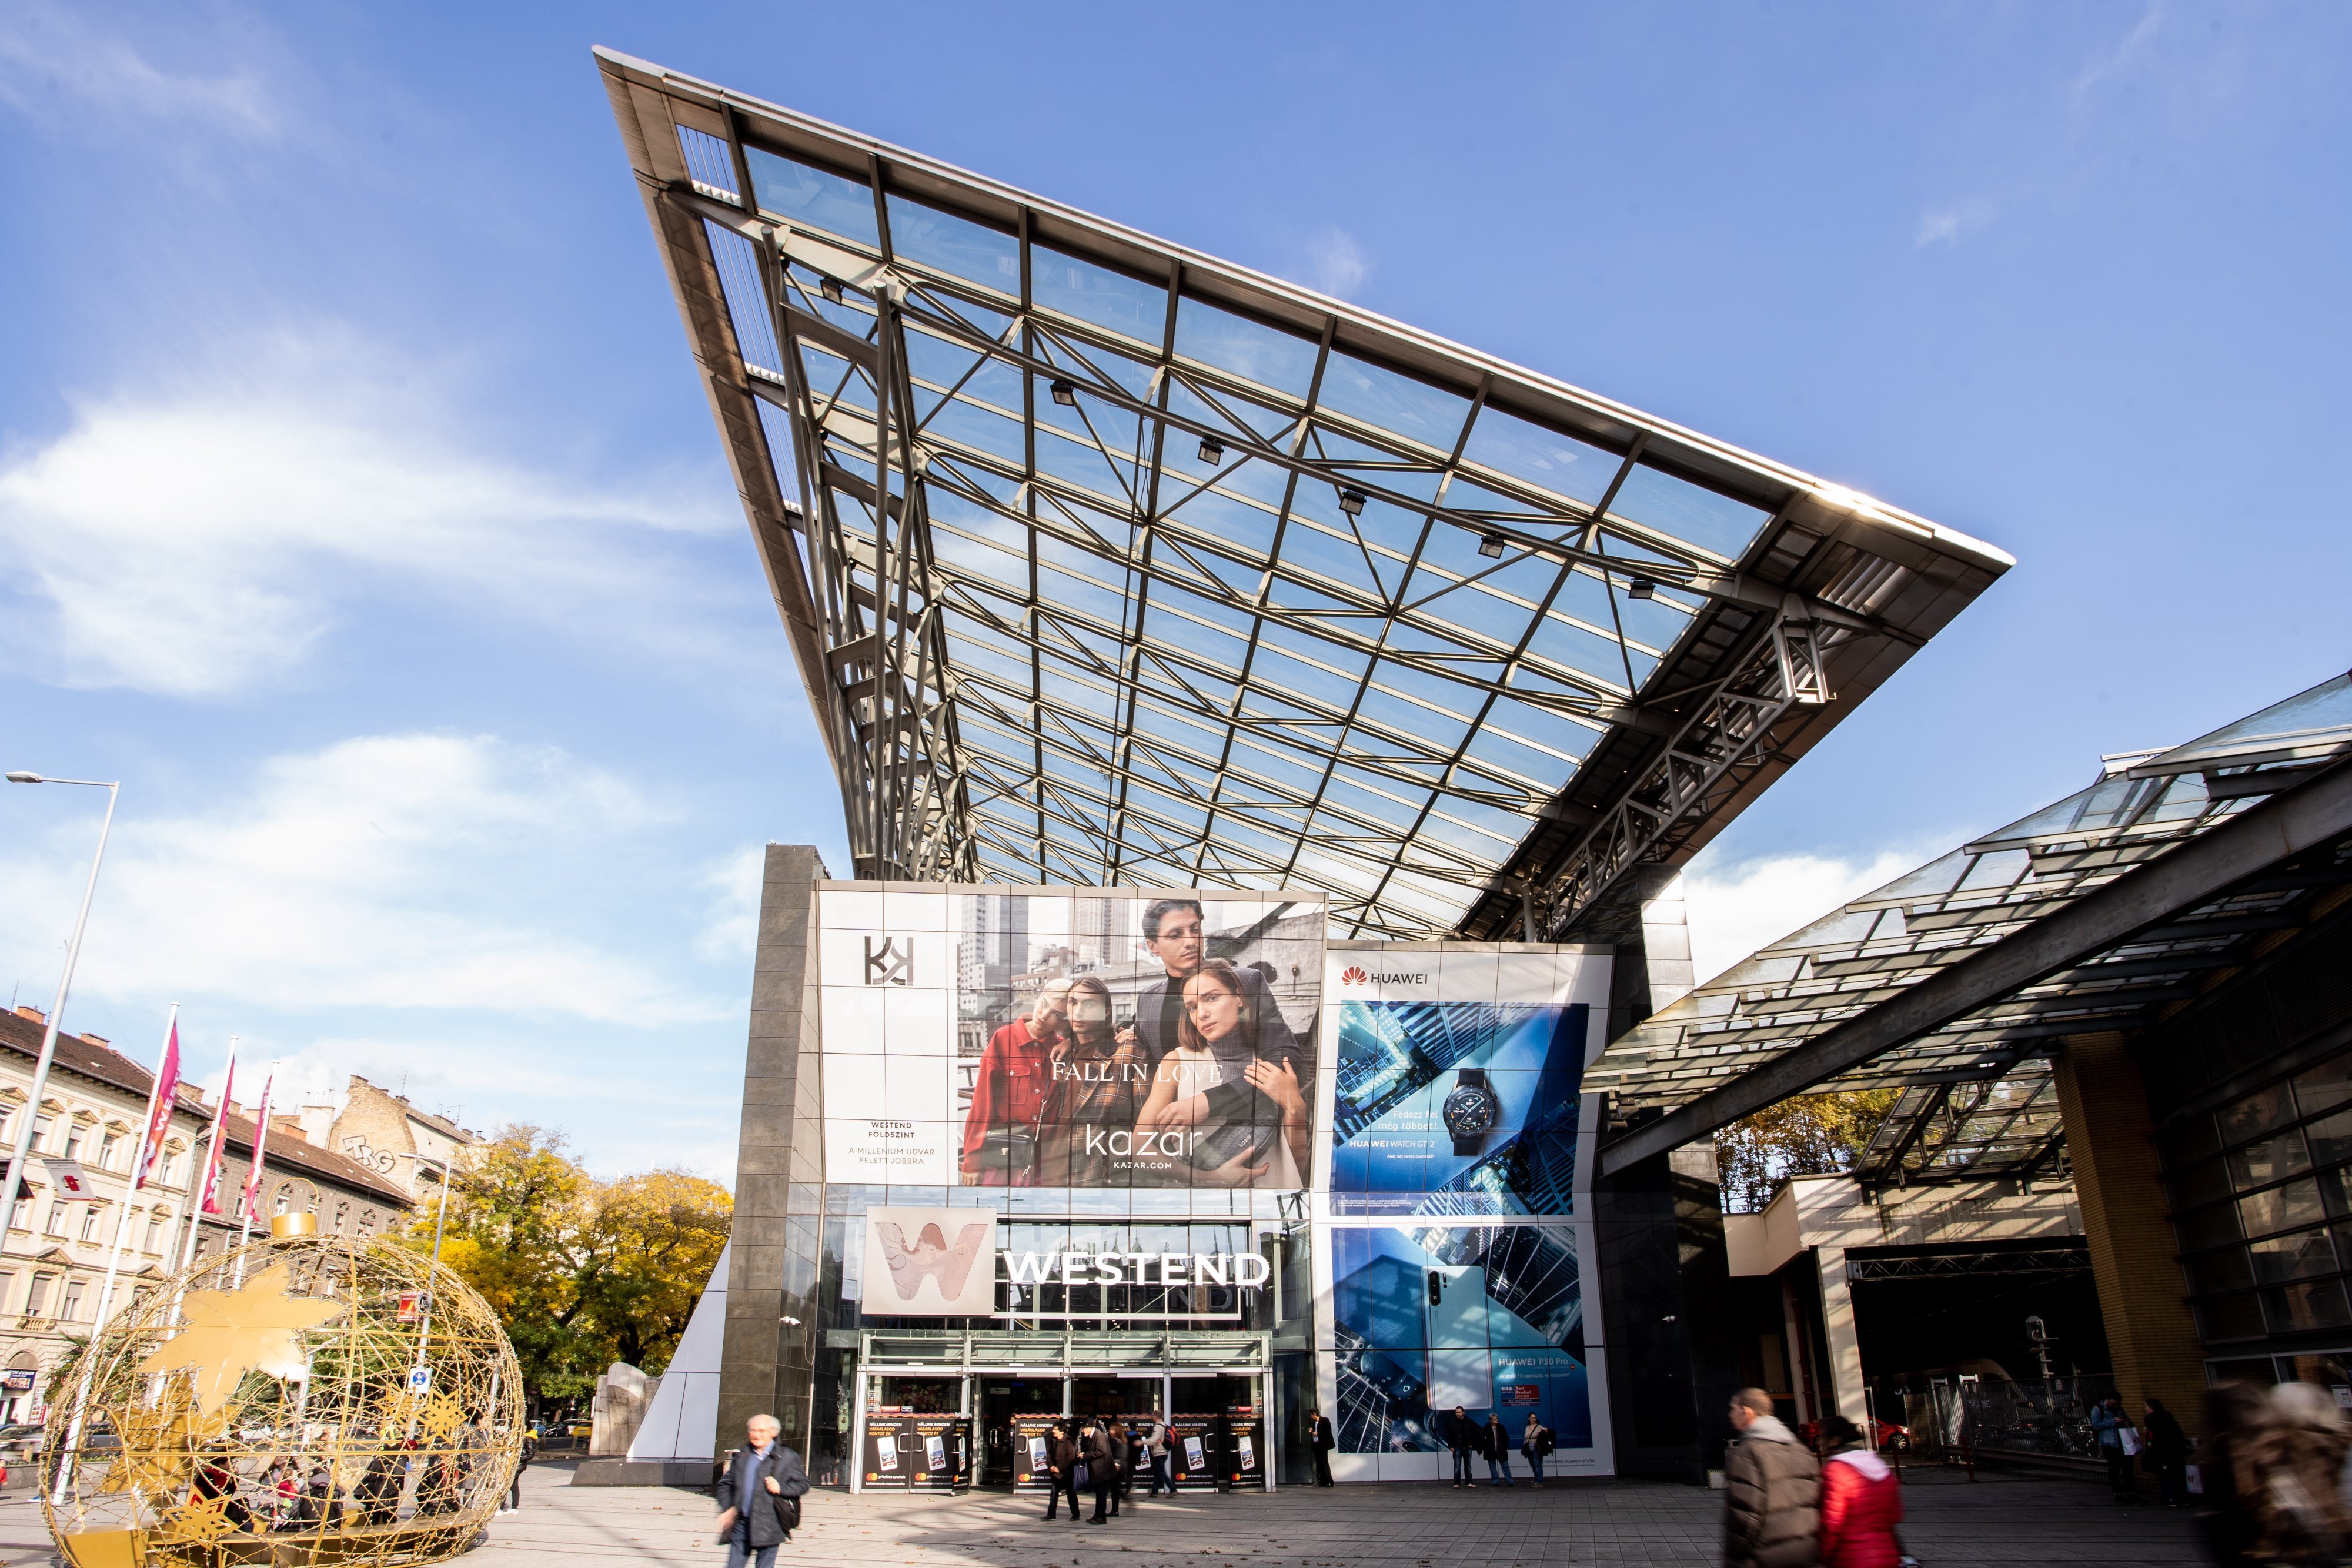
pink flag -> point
(159, 1108)
(208, 1183)
(248, 1207)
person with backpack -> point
(1535, 1447)
(759, 1500)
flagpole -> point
(199, 1188)
(163, 1061)
(252, 1198)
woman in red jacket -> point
(1862, 1501)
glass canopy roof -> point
(1978, 1097)
(1109, 562)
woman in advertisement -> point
(1098, 1084)
(1241, 1116)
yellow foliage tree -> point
(1806, 1134)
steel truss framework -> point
(1104, 561)
(1978, 1099)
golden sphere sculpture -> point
(303, 1399)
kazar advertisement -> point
(1086, 1038)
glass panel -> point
(1266, 355)
(2293, 1257)
(2271, 1159)
(2212, 1226)
(2323, 1087)
(2255, 1114)
(1684, 512)
(2224, 1271)
(1393, 402)
(1090, 293)
(812, 198)
(2330, 1138)
(2232, 1317)
(2316, 1305)
(2190, 1138)
(1524, 450)
(2281, 1209)
(955, 246)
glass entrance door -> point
(1012, 1411)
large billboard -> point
(1068, 1038)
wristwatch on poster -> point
(1469, 1112)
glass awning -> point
(1108, 563)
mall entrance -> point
(945, 1410)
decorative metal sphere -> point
(303, 1398)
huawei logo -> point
(1353, 975)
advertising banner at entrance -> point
(931, 1262)
(1068, 1038)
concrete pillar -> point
(1842, 1376)
(2134, 1258)
(767, 1363)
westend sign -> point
(1246, 1269)
(945, 1262)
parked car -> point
(23, 1439)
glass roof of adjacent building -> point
(1977, 1098)
(1108, 562)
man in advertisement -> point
(1173, 934)
(1010, 1090)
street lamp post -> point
(14, 1182)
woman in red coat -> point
(1862, 1501)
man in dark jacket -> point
(1096, 1454)
(1319, 1439)
(1115, 1438)
(2167, 1452)
(755, 1502)
(1461, 1436)
(1494, 1443)
(1062, 1465)
(1771, 1491)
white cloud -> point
(201, 540)
(733, 928)
(407, 871)
(50, 50)
(1335, 263)
(2123, 60)
(1949, 225)
(1738, 906)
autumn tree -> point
(582, 1272)
(1806, 1134)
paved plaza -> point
(1998, 1520)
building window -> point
(107, 1148)
(284, 1201)
(69, 1310)
(41, 1133)
(7, 1288)
(74, 1136)
(175, 1167)
(89, 1222)
(7, 1121)
(39, 1295)
(20, 1216)
(343, 1217)
(367, 1222)
(203, 1244)
(155, 1233)
(57, 1219)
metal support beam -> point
(2199, 871)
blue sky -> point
(359, 509)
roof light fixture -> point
(1211, 449)
(1490, 545)
(1066, 394)
(831, 288)
(1351, 501)
(1642, 587)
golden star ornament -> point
(232, 1333)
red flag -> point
(208, 1183)
(159, 1108)
(248, 1206)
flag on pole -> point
(159, 1108)
(208, 1183)
(248, 1206)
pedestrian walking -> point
(2118, 1444)
(2290, 1470)
(1862, 1501)
(1155, 1451)
(2167, 1452)
(1062, 1465)
(1127, 1472)
(761, 1498)
(523, 1462)
(1536, 1445)
(1771, 1491)
(1461, 1436)
(1095, 1454)
(1115, 1438)
(1319, 1439)
(1494, 1443)
(2235, 1413)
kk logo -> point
(887, 965)
(1353, 976)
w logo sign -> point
(887, 965)
(1353, 976)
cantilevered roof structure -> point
(1106, 561)
(1957, 982)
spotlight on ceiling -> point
(1211, 449)
(1642, 587)
(1066, 394)
(1490, 545)
(1352, 503)
(831, 288)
